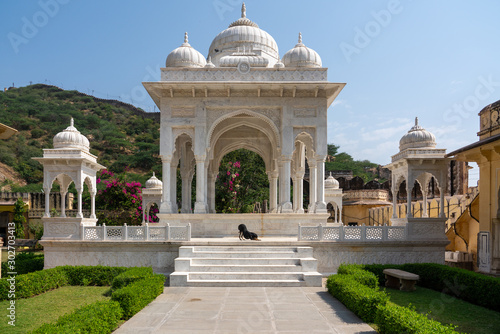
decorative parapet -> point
(233, 74)
(489, 118)
(420, 153)
(352, 233)
(425, 229)
(366, 194)
(64, 228)
(136, 233)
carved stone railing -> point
(352, 233)
(136, 233)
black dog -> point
(244, 233)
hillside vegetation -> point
(120, 134)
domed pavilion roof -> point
(71, 138)
(301, 56)
(185, 56)
(417, 137)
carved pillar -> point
(92, 204)
(80, 213)
(273, 191)
(211, 192)
(320, 201)
(298, 193)
(286, 205)
(166, 204)
(408, 197)
(63, 203)
(313, 186)
(46, 190)
(173, 187)
(201, 205)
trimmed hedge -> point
(131, 275)
(34, 283)
(358, 290)
(359, 298)
(362, 276)
(394, 319)
(472, 287)
(135, 296)
(99, 318)
(98, 275)
(25, 263)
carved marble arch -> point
(251, 118)
(299, 157)
(268, 157)
(90, 184)
(64, 180)
(308, 140)
(397, 183)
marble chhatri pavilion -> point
(243, 96)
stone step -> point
(229, 268)
(214, 261)
(252, 254)
(244, 248)
(246, 283)
(244, 275)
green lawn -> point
(446, 309)
(48, 307)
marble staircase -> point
(245, 266)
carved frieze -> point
(304, 112)
(61, 228)
(183, 112)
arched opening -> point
(241, 182)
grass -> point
(32, 312)
(446, 309)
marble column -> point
(320, 201)
(92, 204)
(79, 192)
(312, 187)
(46, 190)
(173, 187)
(286, 205)
(166, 204)
(299, 184)
(273, 191)
(63, 203)
(408, 204)
(394, 203)
(200, 205)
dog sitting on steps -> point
(246, 234)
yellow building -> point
(486, 153)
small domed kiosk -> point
(419, 161)
(333, 196)
(150, 195)
(69, 161)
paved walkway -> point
(219, 310)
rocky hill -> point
(121, 135)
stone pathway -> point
(235, 310)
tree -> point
(19, 218)
(332, 149)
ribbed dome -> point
(331, 183)
(71, 138)
(154, 183)
(417, 137)
(301, 56)
(244, 35)
(185, 56)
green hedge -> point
(98, 318)
(362, 276)
(357, 289)
(97, 275)
(359, 298)
(472, 287)
(131, 275)
(34, 283)
(25, 263)
(135, 296)
(394, 319)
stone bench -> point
(399, 279)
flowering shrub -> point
(119, 200)
(228, 186)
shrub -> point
(91, 275)
(131, 275)
(362, 276)
(25, 263)
(394, 319)
(138, 294)
(99, 317)
(357, 297)
(34, 283)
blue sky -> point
(438, 60)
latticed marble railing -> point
(352, 233)
(135, 233)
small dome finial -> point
(185, 37)
(72, 122)
(300, 38)
(243, 10)
(416, 121)
(153, 174)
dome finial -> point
(416, 121)
(72, 122)
(153, 174)
(243, 10)
(300, 38)
(185, 37)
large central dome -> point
(244, 37)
